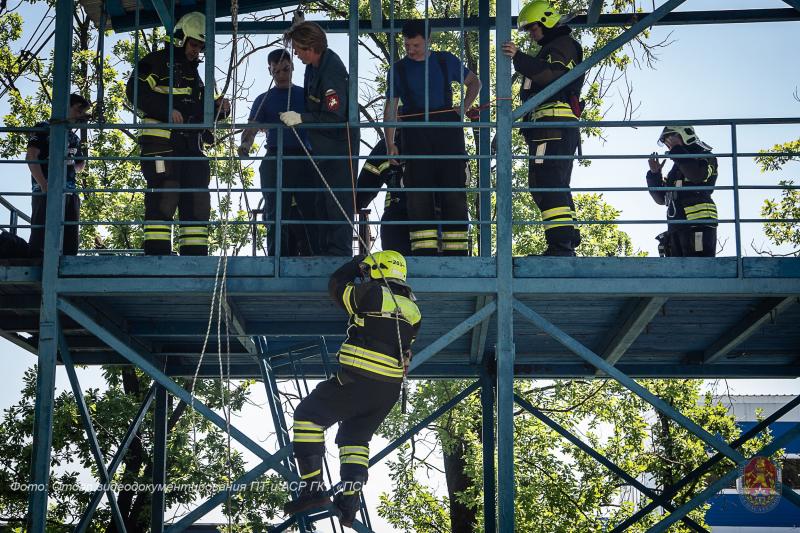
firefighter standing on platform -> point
(558, 54)
(407, 78)
(698, 239)
(384, 321)
(374, 174)
(194, 208)
(326, 89)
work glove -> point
(291, 118)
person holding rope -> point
(297, 239)
(559, 52)
(407, 79)
(384, 321)
(153, 82)
(326, 101)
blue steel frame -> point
(495, 383)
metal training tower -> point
(484, 316)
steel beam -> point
(636, 316)
(113, 337)
(595, 8)
(91, 436)
(133, 430)
(210, 62)
(18, 341)
(239, 326)
(584, 66)
(669, 492)
(238, 485)
(164, 15)
(643, 393)
(419, 426)
(767, 310)
(794, 3)
(443, 341)
(376, 15)
(48, 317)
(480, 332)
(600, 458)
(488, 441)
(723, 482)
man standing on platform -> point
(39, 149)
(194, 208)
(326, 91)
(408, 78)
(296, 172)
(559, 52)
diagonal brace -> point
(794, 3)
(671, 491)
(584, 66)
(118, 456)
(91, 436)
(443, 341)
(112, 336)
(165, 15)
(600, 458)
(723, 482)
(659, 404)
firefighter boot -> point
(348, 501)
(312, 493)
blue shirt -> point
(41, 140)
(268, 105)
(411, 90)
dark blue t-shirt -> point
(268, 105)
(41, 140)
(415, 80)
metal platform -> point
(652, 317)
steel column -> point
(487, 439)
(48, 316)
(209, 116)
(484, 134)
(595, 58)
(160, 418)
(505, 319)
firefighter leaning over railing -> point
(194, 208)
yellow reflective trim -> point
(353, 449)
(359, 363)
(552, 226)
(408, 309)
(423, 233)
(348, 291)
(305, 424)
(383, 166)
(354, 460)
(312, 474)
(163, 134)
(372, 168)
(698, 207)
(423, 245)
(454, 235)
(157, 237)
(455, 246)
(164, 89)
(193, 241)
(310, 439)
(387, 203)
(549, 213)
(164, 227)
(368, 354)
(193, 230)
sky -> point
(733, 71)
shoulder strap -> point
(448, 87)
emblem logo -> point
(759, 485)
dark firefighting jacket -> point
(153, 97)
(688, 203)
(373, 348)
(375, 174)
(559, 53)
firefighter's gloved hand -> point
(291, 118)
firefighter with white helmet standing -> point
(693, 203)
(559, 52)
(152, 102)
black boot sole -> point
(305, 505)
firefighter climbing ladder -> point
(76, 291)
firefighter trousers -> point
(194, 207)
(72, 209)
(395, 236)
(557, 208)
(692, 241)
(359, 403)
(438, 173)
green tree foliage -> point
(788, 205)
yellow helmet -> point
(191, 25)
(386, 264)
(539, 11)
(686, 133)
